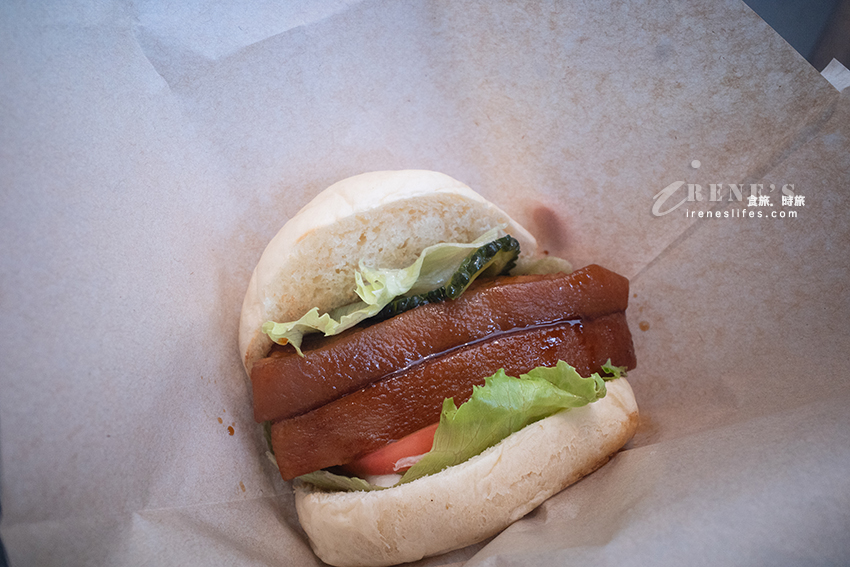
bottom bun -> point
(472, 501)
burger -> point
(424, 376)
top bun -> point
(385, 218)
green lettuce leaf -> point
(377, 287)
(503, 406)
(331, 482)
(542, 265)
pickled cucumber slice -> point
(495, 258)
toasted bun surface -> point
(385, 218)
(469, 502)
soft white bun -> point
(472, 501)
(385, 218)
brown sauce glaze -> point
(286, 385)
(384, 411)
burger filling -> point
(348, 399)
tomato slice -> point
(397, 456)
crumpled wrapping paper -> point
(150, 150)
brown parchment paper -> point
(149, 151)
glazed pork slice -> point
(366, 420)
(286, 385)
